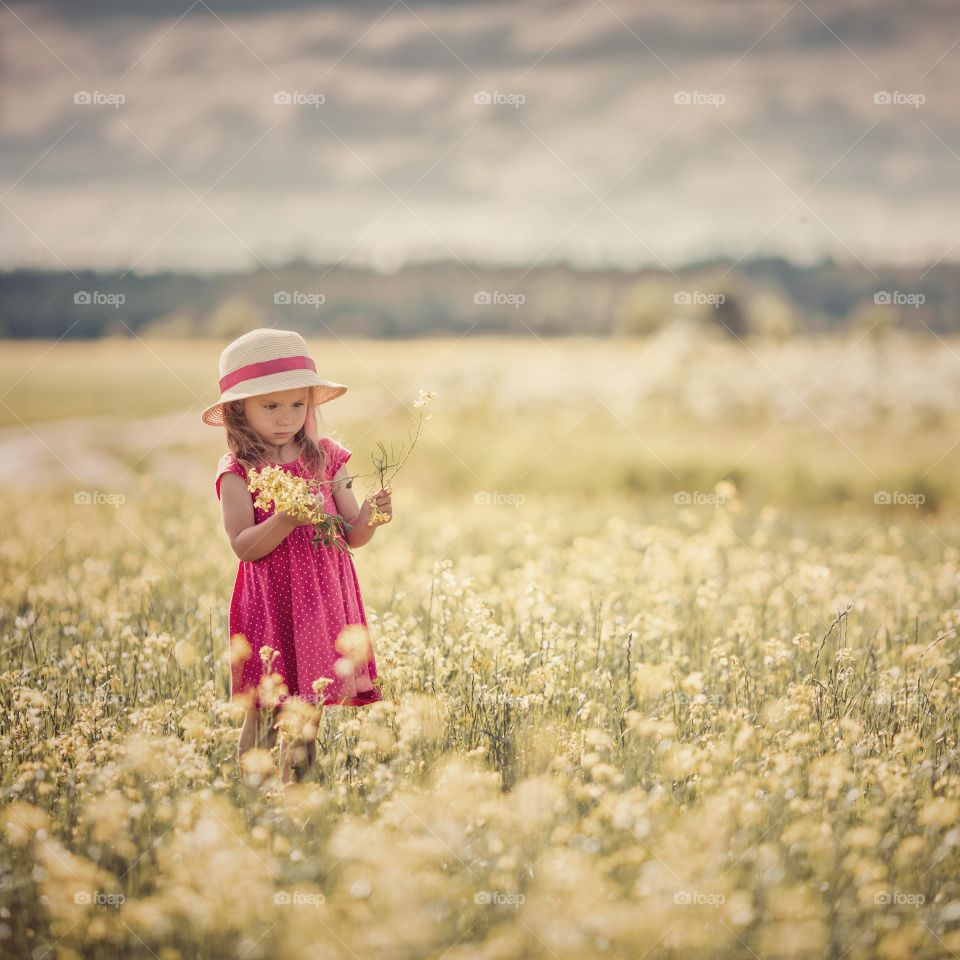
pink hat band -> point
(263, 368)
(263, 361)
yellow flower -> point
(354, 642)
(240, 650)
(298, 497)
(650, 680)
(267, 655)
(940, 812)
(344, 668)
(257, 761)
(185, 653)
(425, 397)
(22, 820)
(290, 494)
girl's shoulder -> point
(228, 463)
(337, 455)
(328, 445)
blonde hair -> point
(251, 452)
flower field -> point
(620, 720)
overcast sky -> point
(507, 131)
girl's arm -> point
(250, 540)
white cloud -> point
(201, 97)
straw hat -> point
(267, 361)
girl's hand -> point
(384, 506)
(291, 521)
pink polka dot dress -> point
(297, 599)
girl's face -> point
(277, 417)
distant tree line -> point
(766, 297)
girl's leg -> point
(286, 749)
(256, 732)
(248, 733)
(309, 748)
(302, 754)
(296, 759)
(270, 729)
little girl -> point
(291, 599)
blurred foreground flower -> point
(185, 653)
(22, 821)
(354, 643)
(257, 764)
(651, 680)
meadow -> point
(667, 631)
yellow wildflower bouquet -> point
(301, 498)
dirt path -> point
(105, 455)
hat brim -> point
(322, 392)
